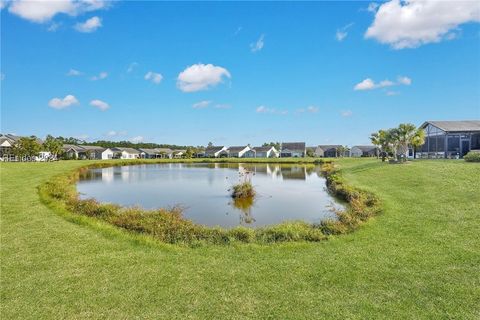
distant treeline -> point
(124, 144)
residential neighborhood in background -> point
(443, 139)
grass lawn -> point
(420, 259)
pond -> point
(285, 192)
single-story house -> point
(240, 152)
(146, 153)
(165, 152)
(266, 152)
(328, 151)
(293, 149)
(216, 152)
(449, 139)
(87, 152)
(6, 146)
(126, 153)
(177, 154)
(364, 151)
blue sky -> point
(235, 73)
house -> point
(449, 139)
(240, 151)
(165, 152)
(87, 152)
(126, 153)
(266, 152)
(146, 153)
(364, 151)
(293, 149)
(216, 152)
(6, 146)
(328, 151)
(177, 154)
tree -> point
(26, 147)
(381, 140)
(310, 153)
(341, 151)
(210, 144)
(408, 135)
(276, 145)
(417, 141)
(53, 145)
(189, 153)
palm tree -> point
(380, 139)
(407, 134)
(417, 141)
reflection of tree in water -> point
(245, 206)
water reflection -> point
(285, 191)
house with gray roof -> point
(328, 151)
(293, 149)
(126, 153)
(266, 152)
(449, 139)
(241, 152)
(364, 151)
(216, 152)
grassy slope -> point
(420, 259)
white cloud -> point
(153, 77)
(102, 75)
(412, 23)
(264, 109)
(404, 80)
(113, 133)
(366, 84)
(59, 103)
(74, 73)
(309, 109)
(201, 105)
(132, 66)
(137, 139)
(258, 45)
(101, 105)
(346, 113)
(342, 32)
(90, 25)
(369, 84)
(41, 11)
(201, 77)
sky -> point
(235, 73)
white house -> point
(126, 153)
(216, 152)
(178, 153)
(266, 152)
(241, 152)
(293, 149)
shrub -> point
(243, 190)
(472, 156)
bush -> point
(472, 156)
(243, 190)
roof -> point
(237, 148)
(163, 150)
(293, 145)
(179, 151)
(213, 149)
(148, 151)
(13, 138)
(128, 150)
(365, 148)
(330, 146)
(455, 126)
(93, 148)
(263, 149)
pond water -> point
(285, 192)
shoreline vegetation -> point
(168, 225)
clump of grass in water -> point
(244, 189)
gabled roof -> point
(13, 138)
(293, 146)
(329, 146)
(127, 150)
(237, 148)
(455, 126)
(148, 151)
(67, 147)
(366, 148)
(93, 148)
(164, 150)
(264, 149)
(213, 149)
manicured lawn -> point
(419, 259)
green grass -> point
(420, 259)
